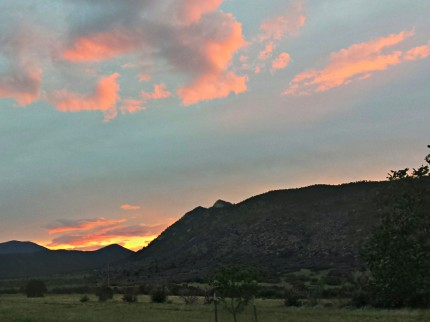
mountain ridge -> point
(316, 227)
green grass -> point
(68, 308)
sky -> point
(118, 117)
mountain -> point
(316, 227)
(19, 247)
(50, 262)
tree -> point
(235, 287)
(35, 288)
(398, 251)
(104, 293)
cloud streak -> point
(65, 225)
(357, 62)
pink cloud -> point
(289, 23)
(132, 106)
(159, 92)
(213, 86)
(266, 52)
(418, 52)
(104, 98)
(195, 39)
(100, 46)
(130, 207)
(63, 226)
(191, 11)
(281, 62)
(357, 61)
(23, 85)
(214, 80)
(257, 70)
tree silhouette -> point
(398, 251)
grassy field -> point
(69, 308)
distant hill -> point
(49, 262)
(316, 227)
(19, 247)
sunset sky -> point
(117, 117)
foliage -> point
(398, 252)
(159, 295)
(130, 294)
(235, 287)
(35, 288)
(84, 299)
(292, 297)
(189, 295)
(104, 293)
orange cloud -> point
(22, 85)
(159, 92)
(134, 237)
(213, 86)
(103, 99)
(291, 22)
(63, 226)
(130, 207)
(418, 52)
(191, 11)
(281, 62)
(100, 46)
(132, 106)
(355, 62)
(215, 81)
(266, 52)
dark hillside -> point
(59, 261)
(315, 227)
(19, 247)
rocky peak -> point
(221, 204)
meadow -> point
(68, 308)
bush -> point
(130, 295)
(292, 297)
(35, 288)
(314, 296)
(159, 296)
(84, 299)
(104, 293)
(188, 295)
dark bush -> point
(84, 299)
(104, 293)
(130, 295)
(35, 288)
(144, 289)
(159, 295)
(292, 297)
(188, 297)
(208, 296)
(313, 296)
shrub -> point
(313, 296)
(292, 297)
(104, 293)
(84, 299)
(35, 288)
(159, 295)
(188, 295)
(130, 295)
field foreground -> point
(69, 308)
